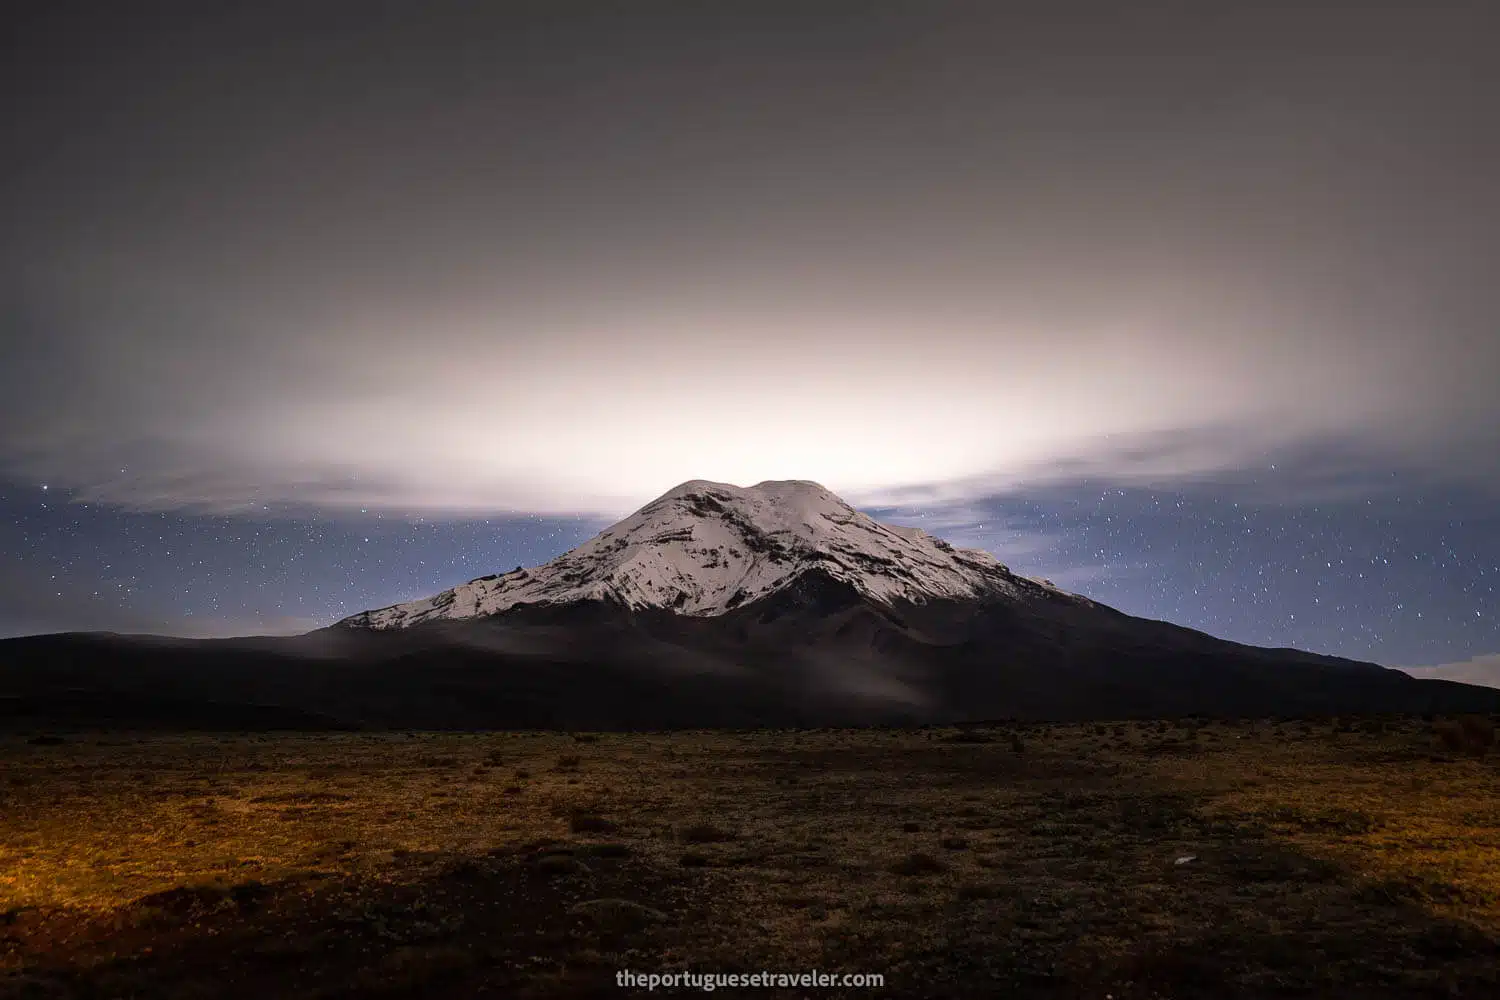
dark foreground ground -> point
(1345, 858)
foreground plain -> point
(1173, 859)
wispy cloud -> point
(972, 526)
(1484, 670)
(1016, 538)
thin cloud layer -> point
(423, 418)
(1483, 670)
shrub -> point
(610, 850)
(1471, 734)
(559, 864)
(589, 823)
(918, 864)
(1479, 731)
(979, 890)
(704, 833)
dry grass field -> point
(1334, 858)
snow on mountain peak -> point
(705, 548)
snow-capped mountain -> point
(705, 548)
(775, 605)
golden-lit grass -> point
(1030, 860)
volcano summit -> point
(705, 548)
(713, 605)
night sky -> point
(310, 308)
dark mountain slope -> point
(815, 653)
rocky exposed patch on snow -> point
(706, 548)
